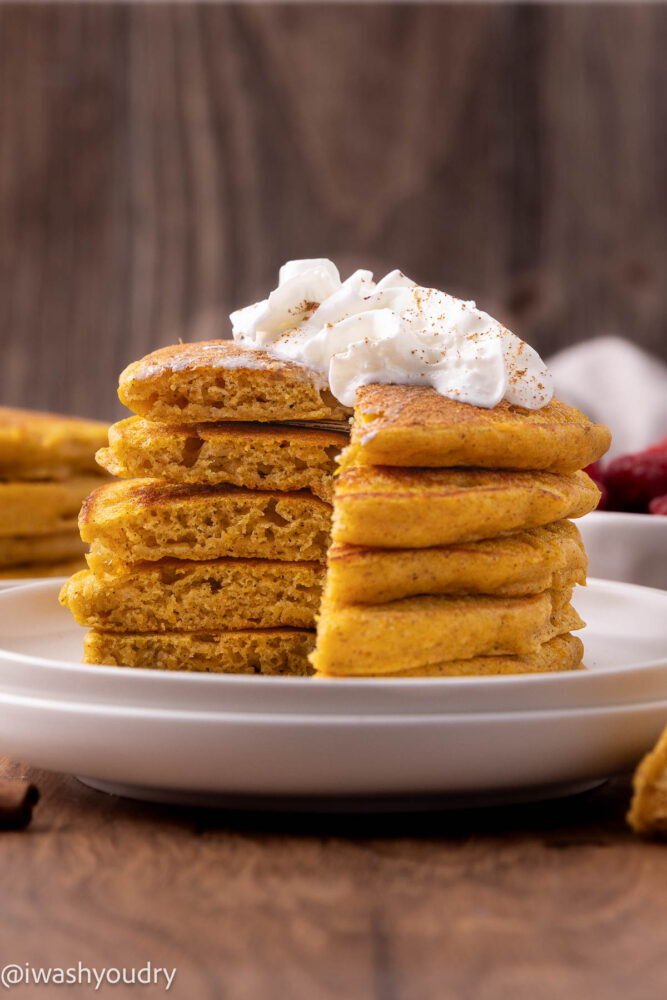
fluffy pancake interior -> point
(256, 651)
(257, 456)
(141, 520)
(190, 596)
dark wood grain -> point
(158, 163)
(554, 900)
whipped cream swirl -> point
(359, 331)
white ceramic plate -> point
(171, 736)
(27, 581)
(626, 653)
(219, 753)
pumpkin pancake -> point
(648, 811)
(257, 456)
(175, 596)
(421, 631)
(220, 380)
(563, 652)
(255, 651)
(416, 426)
(42, 508)
(48, 446)
(37, 570)
(528, 562)
(63, 545)
(383, 507)
(140, 520)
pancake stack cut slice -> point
(270, 651)
(210, 554)
(173, 595)
(141, 520)
(256, 456)
(220, 380)
(453, 553)
(47, 468)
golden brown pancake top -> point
(421, 406)
(416, 426)
(222, 380)
(211, 354)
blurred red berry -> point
(659, 446)
(634, 480)
(659, 505)
(594, 470)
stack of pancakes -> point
(47, 467)
(453, 552)
(210, 555)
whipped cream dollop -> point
(359, 331)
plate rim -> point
(203, 678)
(292, 720)
(630, 517)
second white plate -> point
(178, 737)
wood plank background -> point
(158, 163)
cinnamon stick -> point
(16, 801)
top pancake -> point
(220, 380)
(416, 426)
(47, 446)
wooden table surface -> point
(543, 902)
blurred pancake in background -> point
(47, 469)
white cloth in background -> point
(615, 383)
